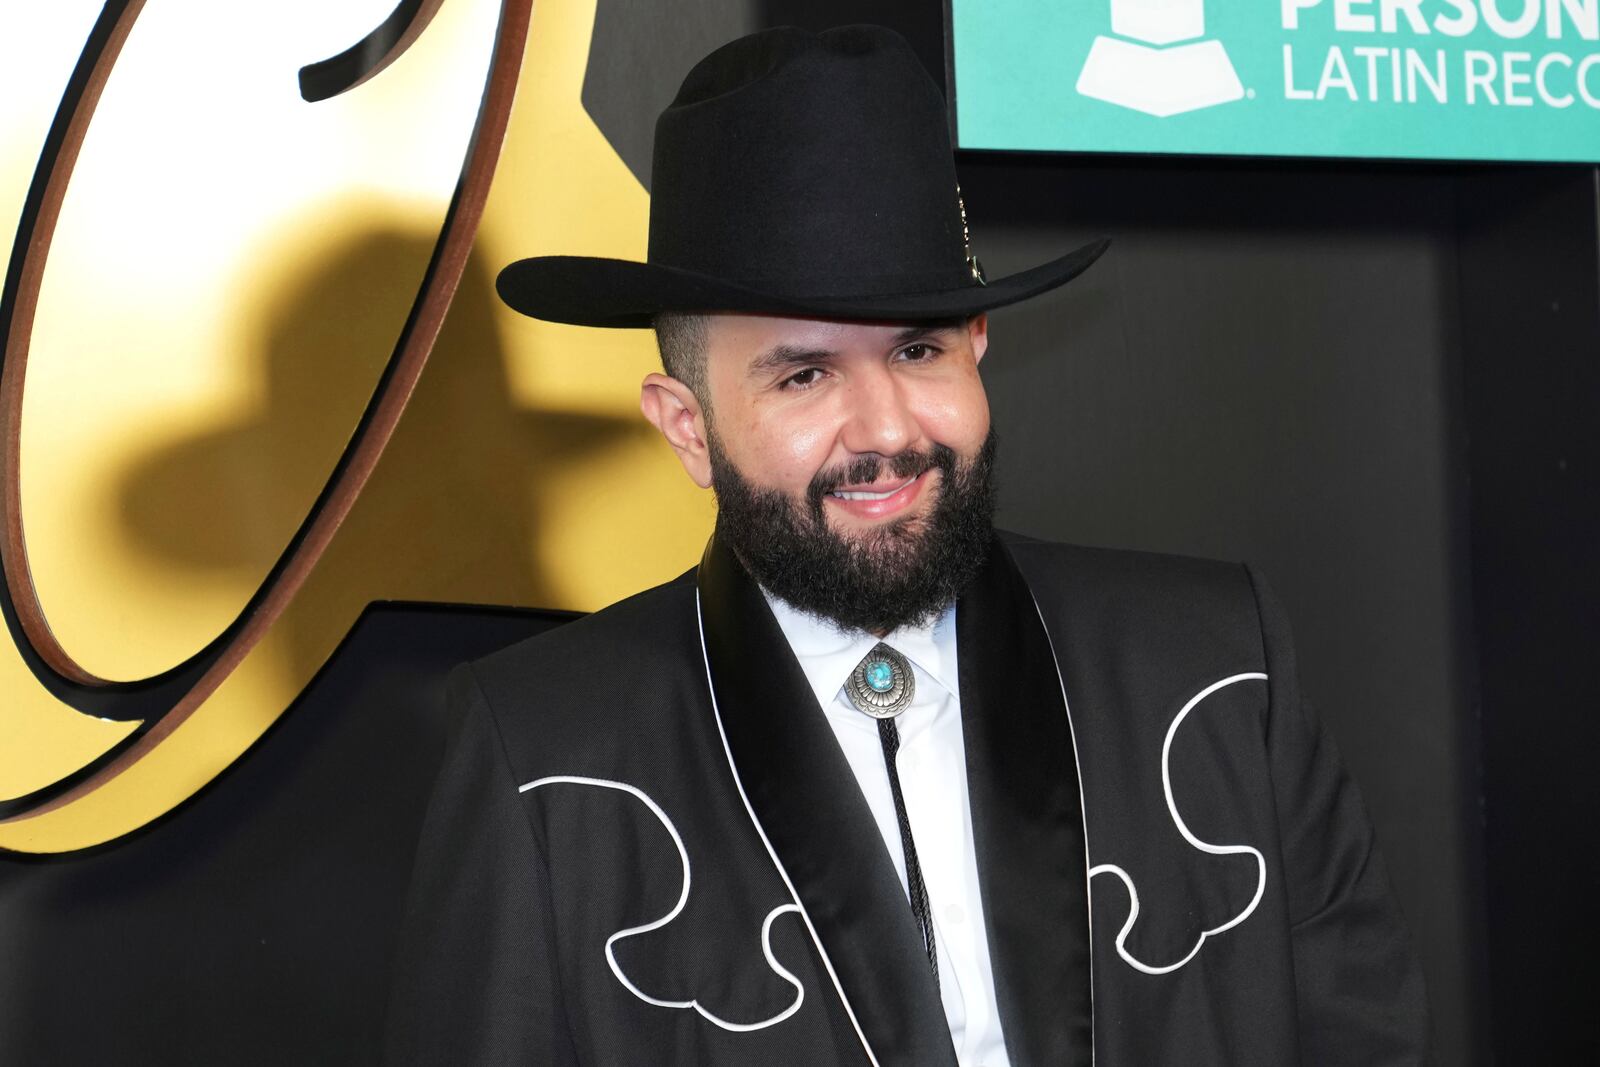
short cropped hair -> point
(681, 337)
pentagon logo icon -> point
(1145, 67)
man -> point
(846, 792)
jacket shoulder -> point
(1089, 576)
(1159, 610)
(601, 674)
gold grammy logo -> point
(232, 421)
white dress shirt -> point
(933, 779)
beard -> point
(902, 573)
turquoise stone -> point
(880, 676)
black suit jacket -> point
(646, 846)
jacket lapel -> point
(805, 798)
(1027, 818)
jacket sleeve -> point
(1359, 989)
(474, 978)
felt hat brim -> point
(618, 293)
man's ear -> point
(673, 409)
(978, 334)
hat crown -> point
(816, 163)
(798, 174)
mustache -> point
(871, 467)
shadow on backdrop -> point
(456, 504)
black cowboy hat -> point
(797, 173)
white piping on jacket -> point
(762, 833)
(1083, 813)
(683, 898)
(1215, 850)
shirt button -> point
(954, 915)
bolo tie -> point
(882, 686)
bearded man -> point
(846, 792)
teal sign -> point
(1398, 79)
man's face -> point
(851, 460)
(798, 399)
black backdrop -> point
(1377, 381)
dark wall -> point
(1531, 359)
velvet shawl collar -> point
(1027, 819)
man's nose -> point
(879, 418)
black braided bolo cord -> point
(889, 734)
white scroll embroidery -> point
(683, 898)
(1215, 850)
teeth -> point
(843, 495)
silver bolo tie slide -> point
(882, 684)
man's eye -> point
(919, 352)
(801, 379)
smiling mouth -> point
(857, 494)
(870, 505)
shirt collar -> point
(828, 654)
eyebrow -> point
(926, 329)
(782, 356)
